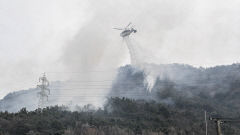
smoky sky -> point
(57, 35)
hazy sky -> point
(76, 35)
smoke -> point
(32, 35)
(76, 37)
(141, 59)
(179, 81)
(97, 45)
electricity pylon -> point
(45, 91)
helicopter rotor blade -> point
(128, 25)
(118, 28)
(133, 26)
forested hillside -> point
(174, 105)
(120, 116)
(219, 86)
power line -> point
(87, 96)
(86, 71)
(81, 81)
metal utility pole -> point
(44, 91)
(205, 114)
(219, 121)
(218, 124)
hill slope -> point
(219, 85)
(174, 104)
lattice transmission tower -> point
(44, 91)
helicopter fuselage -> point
(127, 32)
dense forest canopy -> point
(120, 116)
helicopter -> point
(126, 31)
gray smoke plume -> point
(179, 81)
(196, 32)
(140, 61)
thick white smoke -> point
(140, 60)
